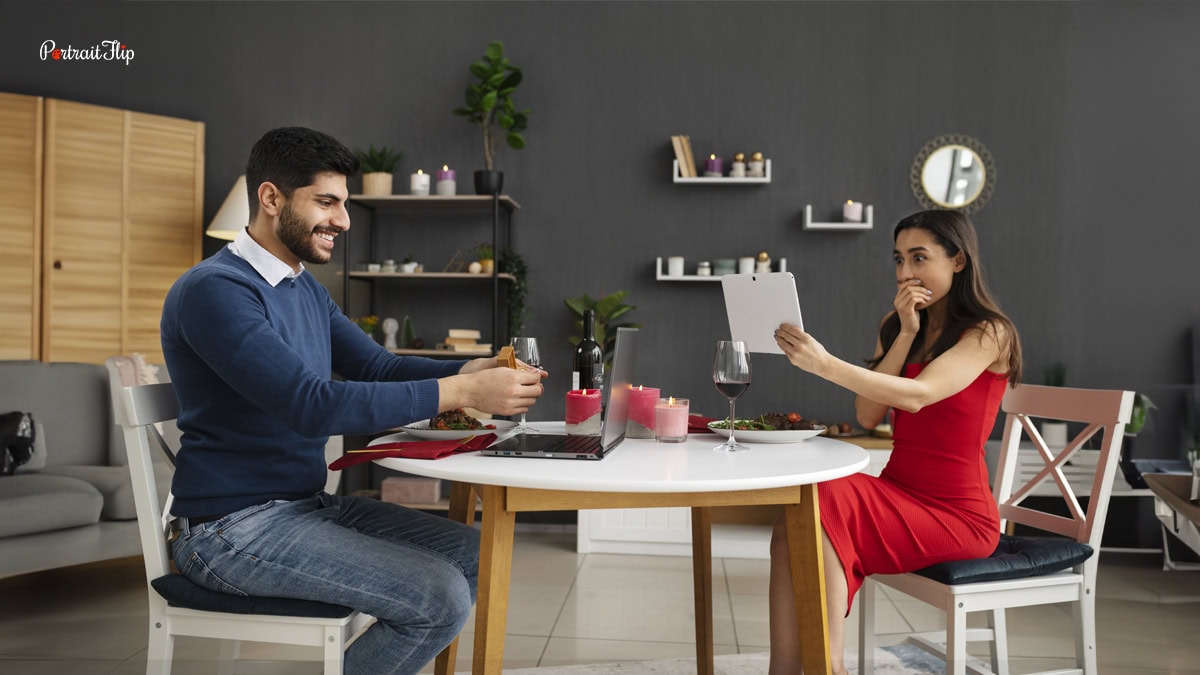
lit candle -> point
(446, 183)
(852, 211)
(641, 412)
(583, 412)
(671, 420)
(713, 167)
(419, 183)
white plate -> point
(759, 436)
(421, 430)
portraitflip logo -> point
(108, 50)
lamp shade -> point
(234, 214)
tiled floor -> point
(569, 608)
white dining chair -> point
(180, 608)
(1024, 570)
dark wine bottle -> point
(587, 366)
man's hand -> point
(483, 386)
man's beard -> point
(298, 237)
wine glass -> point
(731, 375)
(526, 351)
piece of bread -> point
(507, 358)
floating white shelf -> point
(867, 223)
(776, 266)
(723, 180)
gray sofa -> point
(78, 508)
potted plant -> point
(367, 324)
(489, 106)
(608, 309)
(512, 263)
(1142, 405)
(1055, 433)
(377, 167)
(486, 257)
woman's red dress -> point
(932, 503)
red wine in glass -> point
(731, 375)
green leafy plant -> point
(484, 251)
(381, 160)
(489, 103)
(367, 323)
(1055, 374)
(512, 263)
(1142, 405)
(608, 309)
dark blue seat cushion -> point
(1014, 558)
(179, 591)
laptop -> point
(612, 429)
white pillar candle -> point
(419, 183)
(852, 212)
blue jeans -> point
(415, 572)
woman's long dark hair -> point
(969, 302)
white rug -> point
(898, 660)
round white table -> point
(639, 474)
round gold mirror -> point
(953, 172)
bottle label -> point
(574, 380)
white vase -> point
(1055, 434)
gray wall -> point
(1088, 110)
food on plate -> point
(792, 421)
(882, 431)
(507, 358)
(457, 420)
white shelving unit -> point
(723, 180)
(867, 223)
(660, 275)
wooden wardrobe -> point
(100, 212)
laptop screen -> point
(613, 429)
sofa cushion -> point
(115, 485)
(179, 591)
(37, 502)
(1014, 558)
(69, 399)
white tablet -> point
(756, 304)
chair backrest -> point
(137, 409)
(1101, 411)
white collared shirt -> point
(263, 261)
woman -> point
(942, 359)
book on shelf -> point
(460, 341)
(464, 333)
(473, 348)
(677, 144)
(691, 159)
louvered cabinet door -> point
(20, 226)
(163, 211)
(82, 239)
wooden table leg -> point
(808, 580)
(462, 510)
(703, 587)
(495, 565)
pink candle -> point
(671, 420)
(713, 166)
(641, 412)
(583, 412)
(445, 173)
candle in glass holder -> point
(714, 167)
(583, 412)
(446, 181)
(641, 412)
(671, 420)
(418, 183)
(852, 211)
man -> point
(251, 341)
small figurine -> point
(738, 168)
(757, 166)
(763, 262)
(390, 326)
